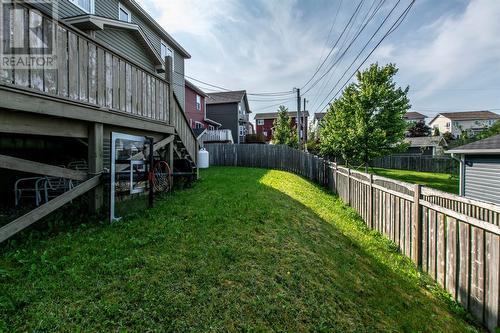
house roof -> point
(427, 141)
(486, 146)
(228, 97)
(412, 115)
(196, 89)
(319, 115)
(165, 35)
(274, 115)
(468, 115)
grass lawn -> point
(243, 250)
(439, 181)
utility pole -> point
(298, 116)
(304, 124)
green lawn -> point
(439, 181)
(243, 250)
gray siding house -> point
(129, 30)
(231, 110)
(480, 169)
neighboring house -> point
(318, 117)
(480, 169)
(117, 71)
(231, 110)
(426, 145)
(196, 108)
(458, 122)
(265, 123)
(414, 117)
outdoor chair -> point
(31, 187)
(55, 186)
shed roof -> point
(486, 146)
(274, 115)
(427, 141)
(468, 115)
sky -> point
(447, 52)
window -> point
(124, 13)
(242, 130)
(260, 122)
(198, 125)
(448, 125)
(167, 51)
(240, 110)
(86, 5)
(211, 127)
(198, 102)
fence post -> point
(417, 227)
(370, 203)
(349, 186)
(335, 179)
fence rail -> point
(454, 239)
(442, 164)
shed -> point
(426, 145)
(480, 169)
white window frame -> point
(211, 127)
(198, 102)
(197, 124)
(163, 43)
(260, 122)
(121, 8)
(91, 4)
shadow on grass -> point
(244, 249)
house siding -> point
(191, 112)
(269, 124)
(481, 179)
(226, 115)
(457, 126)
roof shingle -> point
(226, 97)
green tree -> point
(283, 133)
(436, 132)
(419, 129)
(367, 120)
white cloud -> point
(458, 49)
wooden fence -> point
(443, 164)
(453, 239)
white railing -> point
(224, 135)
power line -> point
(326, 82)
(395, 25)
(336, 42)
(347, 49)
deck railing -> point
(181, 124)
(88, 72)
(224, 135)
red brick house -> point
(195, 108)
(265, 121)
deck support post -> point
(95, 162)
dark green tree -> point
(367, 120)
(283, 133)
(418, 129)
(436, 132)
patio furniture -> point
(31, 187)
